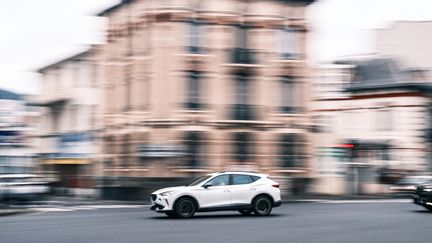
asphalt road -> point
(349, 221)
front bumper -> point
(160, 204)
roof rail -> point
(244, 171)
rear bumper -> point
(277, 204)
(422, 199)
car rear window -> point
(241, 179)
(255, 178)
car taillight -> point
(275, 185)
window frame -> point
(229, 180)
(251, 180)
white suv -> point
(246, 192)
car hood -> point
(176, 188)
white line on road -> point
(88, 207)
(53, 209)
(368, 201)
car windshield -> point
(199, 180)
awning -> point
(67, 161)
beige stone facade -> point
(199, 86)
(70, 148)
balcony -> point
(242, 56)
(243, 112)
(195, 49)
(289, 110)
(193, 106)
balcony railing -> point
(193, 106)
(243, 112)
(289, 109)
(242, 56)
(195, 49)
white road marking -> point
(88, 207)
(53, 210)
(368, 201)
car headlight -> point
(167, 193)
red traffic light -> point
(347, 145)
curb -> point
(8, 212)
(319, 198)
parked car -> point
(407, 185)
(22, 187)
(423, 196)
(246, 192)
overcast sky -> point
(37, 32)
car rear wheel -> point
(245, 211)
(262, 206)
(185, 208)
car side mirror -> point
(207, 185)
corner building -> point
(198, 86)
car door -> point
(217, 195)
(242, 189)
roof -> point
(114, 7)
(123, 2)
(412, 86)
(52, 65)
(381, 74)
(238, 172)
(8, 95)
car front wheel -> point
(185, 208)
(262, 206)
(428, 207)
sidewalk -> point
(5, 211)
(320, 197)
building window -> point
(243, 147)
(242, 110)
(241, 37)
(196, 37)
(241, 53)
(289, 43)
(194, 149)
(384, 120)
(289, 95)
(194, 90)
(292, 150)
(242, 89)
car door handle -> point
(253, 189)
(226, 190)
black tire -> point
(245, 211)
(262, 206)
(185, 208)
(171, 214)
(428, 207)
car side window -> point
(241, 179)
(221, 180)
